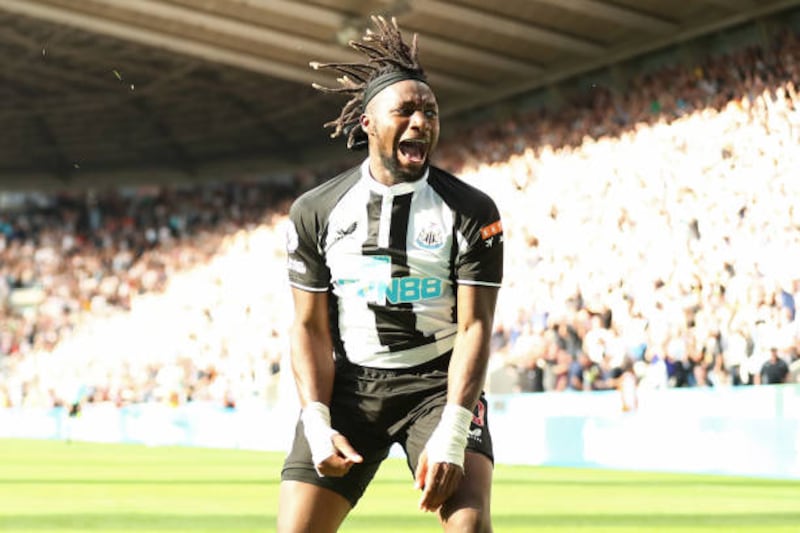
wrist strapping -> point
(316, 419)
(449, 439)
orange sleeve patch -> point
(491, 230)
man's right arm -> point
(313, 369)
(312, 348)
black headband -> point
(382, 81)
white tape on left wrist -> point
(449, 439)
(316, 418)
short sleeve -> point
(305, 262)
(479, 260)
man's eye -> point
(407, 112)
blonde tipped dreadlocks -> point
(389, 60)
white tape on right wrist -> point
(449, 439)
(316, 419)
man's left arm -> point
(467, 372)
(478, 268)
(440, 469)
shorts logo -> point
(430, 237)
(479, 414)
(475, 434)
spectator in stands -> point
(585, 374)
(775, 371)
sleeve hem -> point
(478, 282)
(307, 288)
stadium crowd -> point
(654, 231)
(651, 234)
(159, 295)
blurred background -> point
(644, 155)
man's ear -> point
(365, 122)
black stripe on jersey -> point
(393, 322)
(398, 232)
(453, 277)
(370, 246)
(333, 322)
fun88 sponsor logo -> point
(396, 290)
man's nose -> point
(419, 119)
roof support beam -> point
(201, 24)
(505, 26)
(616, 14)
(337, 21)
(733, 5)
(148, 37)
(294, 9)
(199, 27)
(489, 60)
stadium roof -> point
(180, 90)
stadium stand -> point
(651, 232)
(658, 225)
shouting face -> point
(402, 124)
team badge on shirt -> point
(430, 237)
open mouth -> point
(413, 150)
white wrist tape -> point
(316, 419)
(449, 439)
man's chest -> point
(395, 248)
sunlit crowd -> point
(651, 234)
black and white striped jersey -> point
(391, 258)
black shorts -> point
(375, 408)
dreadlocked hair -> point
(386, 52)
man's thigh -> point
(307, 508)
(299, 467)
(469, 508)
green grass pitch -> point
(79, 487)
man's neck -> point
(387, 177)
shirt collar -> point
(393, 190)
